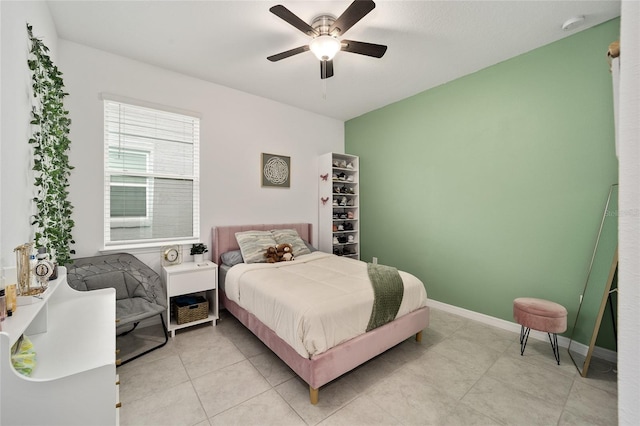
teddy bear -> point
(279, 253)
(272, 255)
(285, 252)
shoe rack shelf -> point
(339, 218)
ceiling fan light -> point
(325, 47)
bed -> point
(315, 362)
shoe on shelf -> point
(341, 227)
(349, 165)
(350, 203)
(350, 215)
(349, 178)
(335, 228)
(335, 240)
(351, 238)
(335, 201)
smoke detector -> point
(573, 23)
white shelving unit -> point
(339, 218)
(189, 278)
(74, 381)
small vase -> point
(198, 258)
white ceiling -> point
(227, 42)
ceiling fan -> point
(325, 31)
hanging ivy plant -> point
(50, 141)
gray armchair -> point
(139, 290)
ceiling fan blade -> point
(362, 48)
(283, 55)
(326, 69)
(355, 12)
(285, 14)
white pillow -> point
(290, 236)
(254, 244)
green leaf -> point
(50, 142)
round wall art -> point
(276, 171)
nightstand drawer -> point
(192, 282)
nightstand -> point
(187, 278)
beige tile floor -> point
(463, 373)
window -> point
(151, 175)
(129, 193)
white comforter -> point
(315, 302)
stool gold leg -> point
(419, 336)
(313, 395)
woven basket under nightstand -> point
(190, 308)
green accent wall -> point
(492, 186)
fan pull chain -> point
(324, 89)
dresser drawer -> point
(191, 281)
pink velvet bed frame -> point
(327, 366)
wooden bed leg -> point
(419, 336)
(313, 395)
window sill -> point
(141, 248)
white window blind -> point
(151, 175)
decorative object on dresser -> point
(276, 171)
(139, 291)
(338, 221)
(194, 280)
(26, 284)
(323, 349)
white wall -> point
(16, 182)
(629, 226)
(236, 128)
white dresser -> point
(74, 381)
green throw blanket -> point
(388, 290)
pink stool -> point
(541, 315)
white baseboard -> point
(598, 352)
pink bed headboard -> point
(224, 237)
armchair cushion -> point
(140, 293)
(139, 290)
